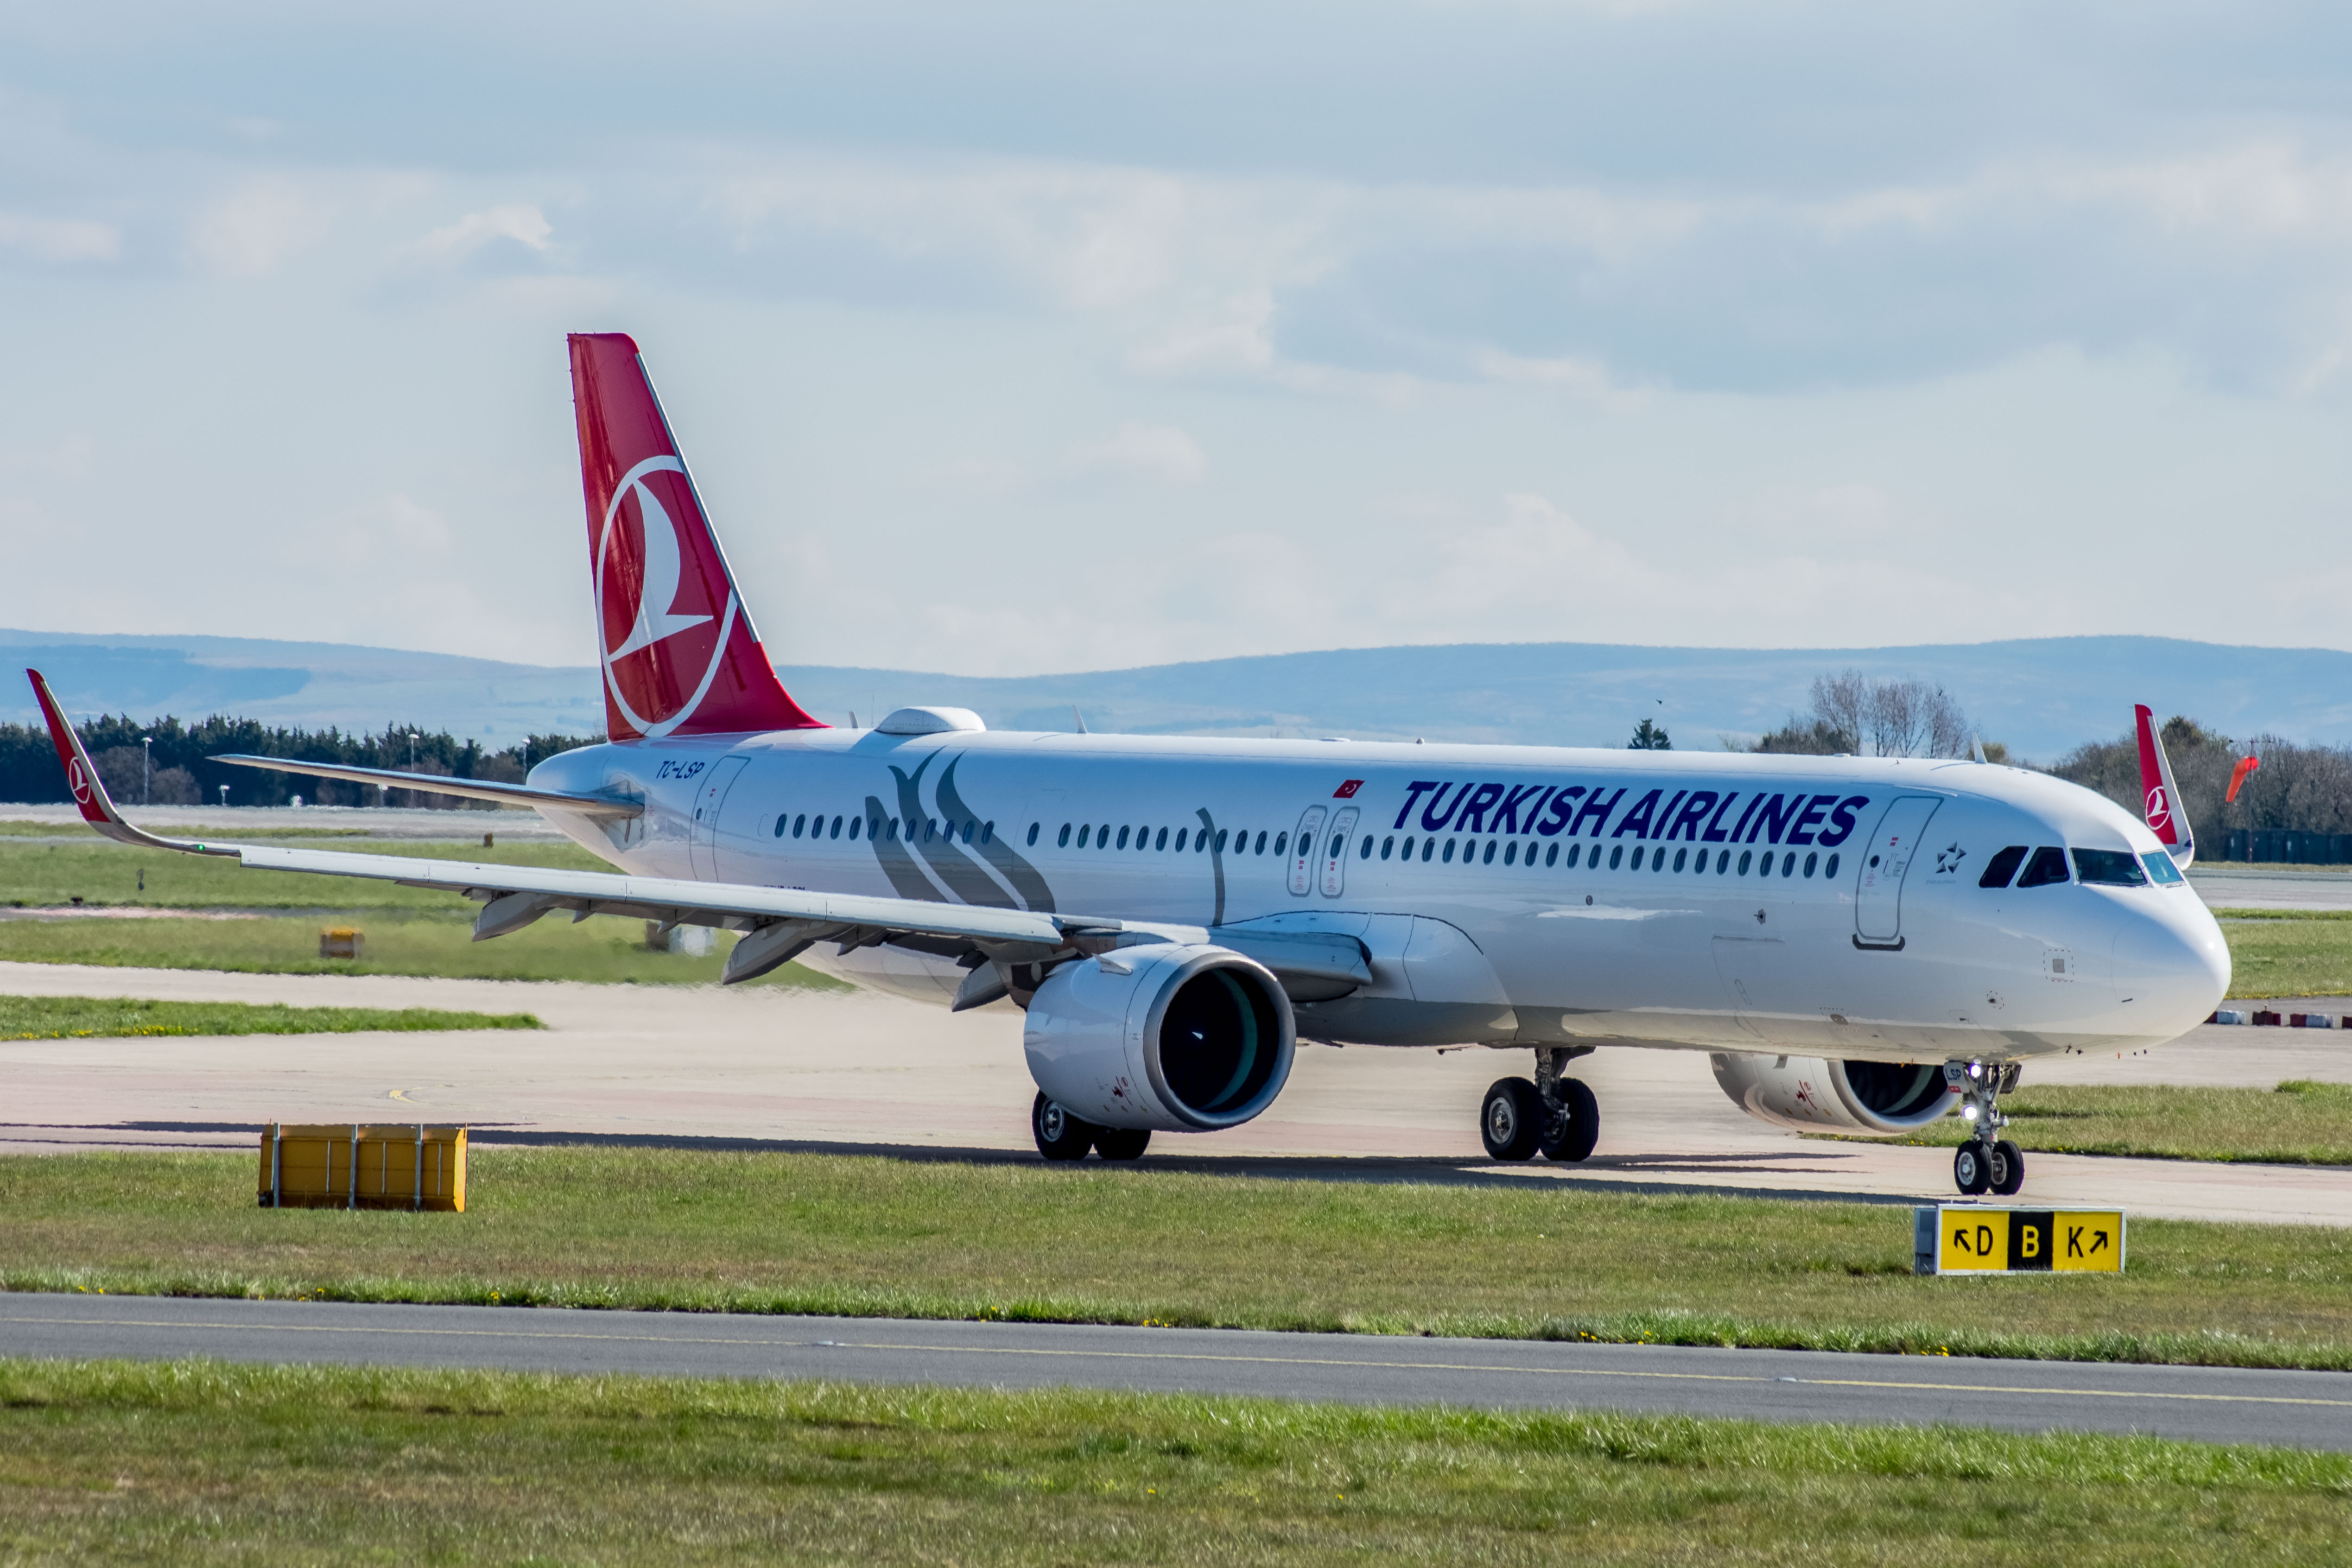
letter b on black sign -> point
(2029, 1239)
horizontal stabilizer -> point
(522, 797)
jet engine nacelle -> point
(1812, 1095)
(1177, 1039)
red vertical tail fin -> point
(2166, 819)
(677, 647)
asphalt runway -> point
(864, 1074)
(2297, 1409)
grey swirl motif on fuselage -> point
(897, 862)
(963, 876)
(1216, 863)
(998, 851)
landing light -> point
(1968, 1113)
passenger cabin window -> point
(2002, 868)
(2110, 869)
(2160, 868)
(2047, 868)
(1032, 831)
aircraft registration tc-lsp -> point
(1863, 944)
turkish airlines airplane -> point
(1860, 944)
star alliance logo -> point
(1949, 858)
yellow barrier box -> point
(342, 941)
(360, 1167)
(1964, 1238)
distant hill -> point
(313, 685)
(2042, 696)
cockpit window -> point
(2002, 867)
(2047, 866)
(2160, 868)
(2110, 868)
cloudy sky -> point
(1016, 338)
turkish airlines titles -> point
(1698, 816)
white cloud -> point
(520, 223)
(253, 232)
(59, 239)
(1162, 452)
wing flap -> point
(665, 897)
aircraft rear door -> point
(707, 801)
(1304, 849)
(1878, 886)
(1334, 852)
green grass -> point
(767, 1232)
(77, 830)
(74, 1017)
(601, 948)
(97, 871)
(2289, 952)
(197, 1462)
(2300, 1122)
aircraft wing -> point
(777, 923)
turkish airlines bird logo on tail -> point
(678, 651)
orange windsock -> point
(2238, 777)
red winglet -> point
(680, 654)
(89, 790)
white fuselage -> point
(1496, 888)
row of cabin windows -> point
(1105, 835)
(1100, 836)
(1684, 859)
(2098, 868)
(885, 828)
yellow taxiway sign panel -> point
(1971, 1240)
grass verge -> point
(74, 1017)
(98, 872)
(2300, 1122)
(202, 1462)
(601, 948)
(2288, 953)
(694, 1230)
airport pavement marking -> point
(1888, 1384)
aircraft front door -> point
(1882, 862)
(1304, 849)
(703, 844)
(1334, 851)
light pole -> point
(146, 765)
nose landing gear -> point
(1986, 1161)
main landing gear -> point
(1554, 1116)
(1062, 1136)
(1986, 1161)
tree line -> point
(181, 772)
(2297, 789)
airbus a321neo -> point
(1861, 944)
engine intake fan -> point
(1178, 1039)
(1812, 1095)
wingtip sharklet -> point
(89, 794)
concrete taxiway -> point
(870, 1073)
(2301, 1409)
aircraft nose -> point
(2171, 969)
